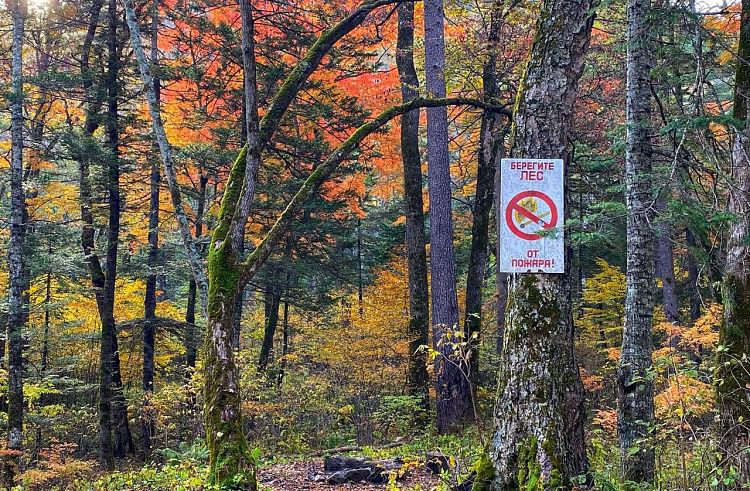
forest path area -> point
(295, 476)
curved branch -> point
(179, 328)
(325, 169)
(235, 214)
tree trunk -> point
(360, 282)
(149, 329)
(123, 440)
(416, 255)
(16, 266)
(191, 338)
(491, 138)
(665, 267)
(635, 387)
(733, 372)
(452, 389)
(272, 301)
(692, 271)
(501, 278)
(539, 415)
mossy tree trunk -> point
(229, 455)
(635, 388)
(733, 368)
(539, 415)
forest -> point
(408, 245)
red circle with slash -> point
(514, 205)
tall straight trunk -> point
(44, 362)
(539, 438)
(148, 427)
(733, 372)
(191, 338)
(123, 441)
(93, 104)
(635, 388)
(16, 266)
(452, 390)
(491, 138)
(272, 300)
(665, 267)
(416, 255)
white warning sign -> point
(532, 214)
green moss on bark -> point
(529, 470)
(539, 467)
(537, 315)
(485, 472)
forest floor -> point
(294, 476)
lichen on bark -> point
(539, 416)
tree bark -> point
(733, 369)
(272, 302)
(16, 266)
(191, 338)
(452, 391)
(635, 386)
(491, 139)
(416, 255)
(665, 267)
(285, 334)
(93, 104)
(123, 440)
(148, 426)
(539, 414)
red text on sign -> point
(527, 175)
(525, 165)
(532, 263)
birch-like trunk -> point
(193, 254)
(635, 386)
(539, 414)
(16, 310)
